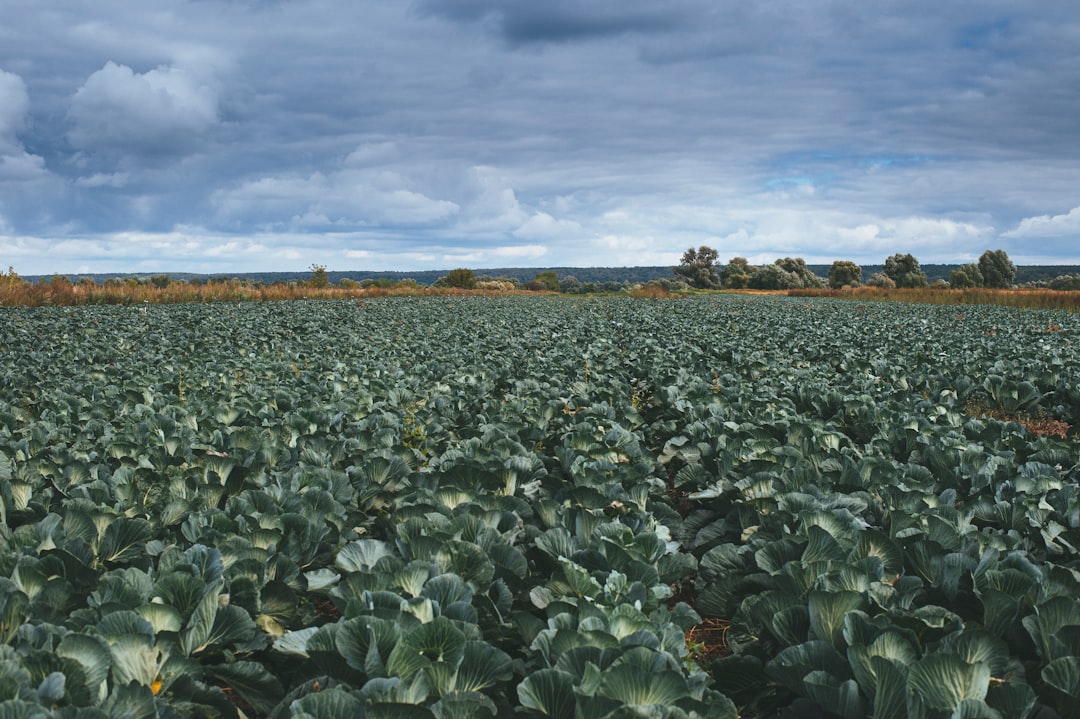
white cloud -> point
(821, 235)
(15, 162)
(14, 106)
(1048, 226)
(372, 153)
(101, 179)
(922, 231)
(21, 165)
(627, 250)
(542, 226)
(183, 249)
(492, 207)
(862, 233)
(342, 199)
(161, 111)
(360, 195)
(759, 228)
(457, 259)
(16, 249)
(493, 256)
(79, 247)
(624, 243)
(519, 251)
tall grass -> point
(59, 291)
(1032, 299)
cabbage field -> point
(491, 507)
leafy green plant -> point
(375, 517)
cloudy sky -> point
(256, 135)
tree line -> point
(700, 268)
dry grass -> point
(1046, 427)
(1038, 423)
(708, 641)
(59, 291)
(652, 292)
(1032, 299)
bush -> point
(382, 283)
(844, 273)
(461, 278)
(880, 279)
(495, 285)
(1065, 282)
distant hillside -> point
(1024, 274)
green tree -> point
(460, 278)
(797, 266)
(319, 279)
(549, 279)
(736, 273)
(966, 276)
(11, 278)
(844, 273)
(997, 269)
(698, 267)
(774, 277)
(905, 271)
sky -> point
(270, 135)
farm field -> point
(726, 506)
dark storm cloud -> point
(523, 23)
(266, 135)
